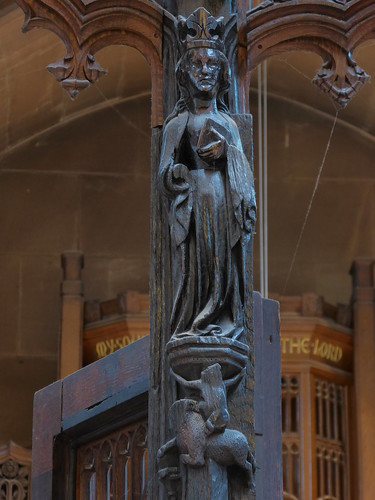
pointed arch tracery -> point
(86, 26)
(330, 28)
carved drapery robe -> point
(211, 216)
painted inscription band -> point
(105, 347)
(317, 347)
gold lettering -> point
(295, 344)
(305, 344)
(119, 343)
(317, 348)
(330, 354)
(283, 341)
(101, 349)
(335, 354)
(111, 345)
(339, 354)
(323, 350)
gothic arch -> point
(86, 26)
(330, 28)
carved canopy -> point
(331, 28)
(86, 26)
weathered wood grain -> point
(46, 425)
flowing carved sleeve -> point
(241, 180)
(176, 187)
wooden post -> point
(267, 398)
(71, 314)
(188, 424)
(363, 273)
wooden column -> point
(363, 273)
(267, 398)
(164, 393)
(71, 314)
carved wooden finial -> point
(331, 28)
(341, 77)
(76, 77)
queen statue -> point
(209, 186)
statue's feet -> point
(208, 330)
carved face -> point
(204, 71)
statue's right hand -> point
(179, 178)
(180, 172)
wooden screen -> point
(290, 403)
(114, 467)
(329, 431)
(331, 440)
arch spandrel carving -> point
(330, 28)
(86, 26)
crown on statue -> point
(201, 29)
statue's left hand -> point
(214, 150)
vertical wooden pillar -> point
(267, 398)
(363, 273)
(71, 314)
(264, 334)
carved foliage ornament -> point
(341, 77)
(14, 480)
(331, 28)
(85, 27)
(76, 75)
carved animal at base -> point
(214, 397)
(228, 448)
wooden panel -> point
(267, 398)
(116, 378)
(46, 425)
(112, 391)
(115, 465)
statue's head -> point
(203, 70)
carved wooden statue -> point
(209, 187)
(206, 176)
